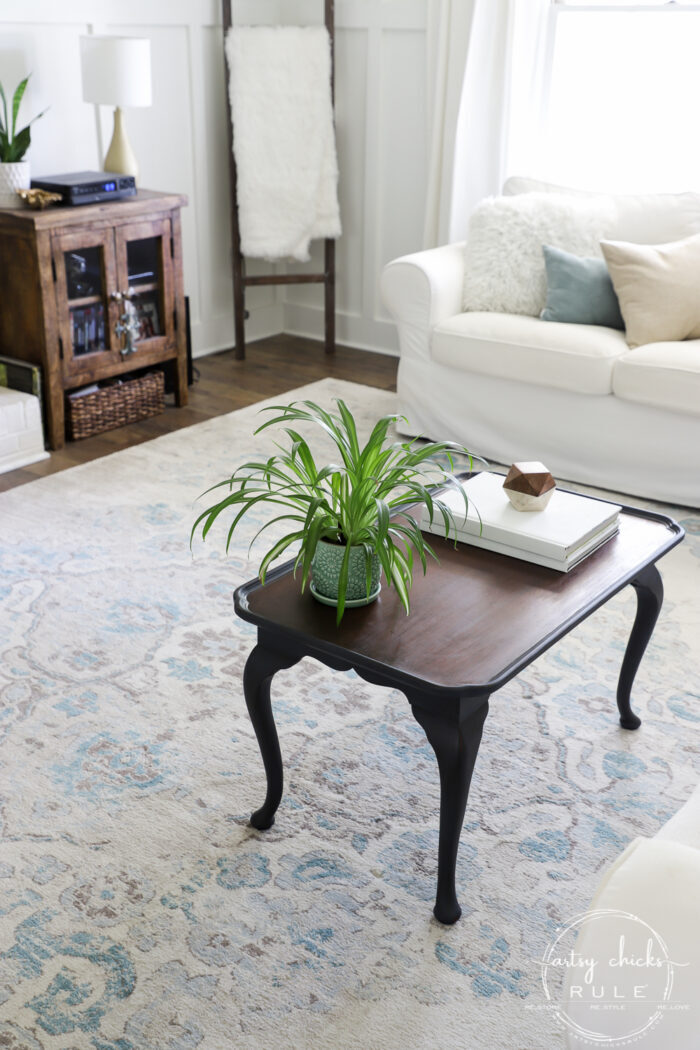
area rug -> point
(140, 911)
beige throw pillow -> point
(658, 287)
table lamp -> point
(117, 72)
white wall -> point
(180, 141)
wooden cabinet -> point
(93, 292)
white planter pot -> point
(13, 177)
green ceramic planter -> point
(325, 571)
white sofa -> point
(513, 387)
(656, 881)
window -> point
(621, 102)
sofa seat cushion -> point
(572, 357)
(666, 375)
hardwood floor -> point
(272, 366)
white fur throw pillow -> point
(504, 268)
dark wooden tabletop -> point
(477, 618)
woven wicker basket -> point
(115, 406)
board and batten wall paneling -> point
(381, 134)
(181, 143)
(64, 139)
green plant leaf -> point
(14, 144)
(411, 544)
(274, 521)
(382, 519)
(4, 125)
(16, 102)
(399, 583)
(305, 454)
(350, 429)
(279, 548)
(311, 413)
(19, 145)
(378, 436)
(312, 535)
(368, 498)
(368, 568)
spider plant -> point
(363, 500)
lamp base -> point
(120, 156)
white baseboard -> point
(350, 329)
(217, 333)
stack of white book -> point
(569, 529)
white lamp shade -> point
(116, 70)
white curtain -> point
(488, 62)
(448, 34)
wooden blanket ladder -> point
(240, 280)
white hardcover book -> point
(559, 564)
(567, 523)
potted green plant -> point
(14, 170)
(351, 518)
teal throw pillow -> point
(579, 291)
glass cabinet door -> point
(145, 280)
(85, 277)
(85, 284)
(144, 265)
(114, 299)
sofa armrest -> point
(684, 826)
(422, 289)
(650, 896)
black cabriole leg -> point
(262, 664)
(650, 595)
(456, 744)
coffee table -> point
(477, 619)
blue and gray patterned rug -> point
(139, 911)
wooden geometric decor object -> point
(529, 486)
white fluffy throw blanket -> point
(283, 139)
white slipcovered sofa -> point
(656, 881)
(513, 387)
